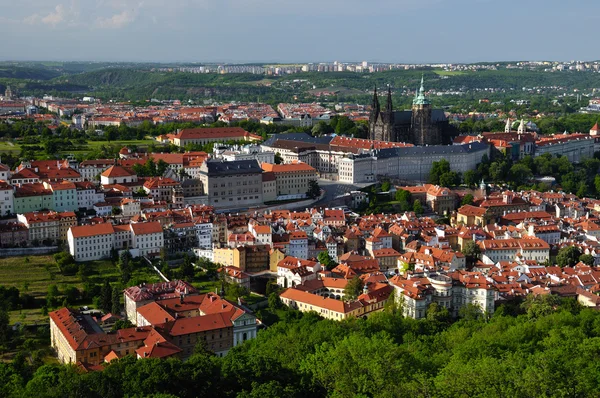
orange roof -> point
(154, 313)
(214, 132)
(116, 171)
(262, 229)
(287, 168)
(152, 227)
(318, 301)
(469, 210)
(84, 231)
(184, 326)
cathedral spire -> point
(389, 105)
(420, 98)
(375, 103)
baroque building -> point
(421, 125)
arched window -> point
(245, 337)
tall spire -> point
(420, 94)
(507, 126)
(389, 105)
(375, 104)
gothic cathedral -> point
(422, 125)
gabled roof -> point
(116, 171)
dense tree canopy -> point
(546, 347)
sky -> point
(404, 31)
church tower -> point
(508, 126)
(387, 119)
(381, 122)
(522, 129)
(424, 133)
(374, 116)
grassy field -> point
(33, 274)
(9, 147)
(97, 144)
(441, 72)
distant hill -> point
(18, 72)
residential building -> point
(64, 195)
(117, 175)
(6, 198)
(88, 194)
(32, 197)
(292, 178)
(235, 184)
(201, 136)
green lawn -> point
(36, 271)
(441, 72)
(33, 274)
(121, 143)
(6, 146)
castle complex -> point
(421, 125)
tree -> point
(187, 269)
(161, 167)
(418, 207)
(597, 184)
(116, 301)
(437, 313)
(403, 195)
(4, 326)
(471, 250)
(326, 260)
(278, 158)
(568, 256)
(449, 179)
(587, 259)
(385, 186)
(52, 296)
(106, 297)
(520, 173)
(470, 312)
(122, 324)
(274, 301)
(313, 189)
(116, 211)
(470, 178)
(353, 288)
(540, 305)
(467, 200)
(437, 170)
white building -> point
(298, 245)
(117, 175)
(410, 163)
(90, 169)
(91, 242)
(204, 233)
(147, 237)
(95, 242)
(574, 146)
(88, 195)
(6, 198)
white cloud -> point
(60, 15)
(55, 17)
(116, 21)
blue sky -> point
(409, 31)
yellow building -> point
(471, 216)
(291, 178)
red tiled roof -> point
(83, 231)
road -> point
(334, 189)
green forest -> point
(139, 82)
(544, 347)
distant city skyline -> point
(270, 31)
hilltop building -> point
(422, 125)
